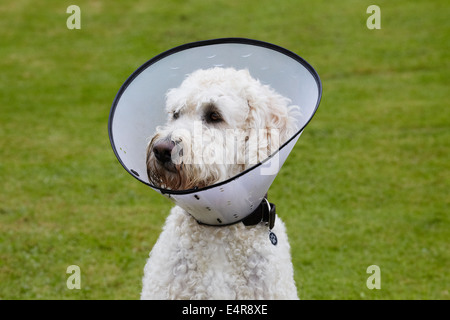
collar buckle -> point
(264, 212)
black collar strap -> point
(264, 212)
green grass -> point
(368, 182)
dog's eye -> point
(214, 116)
(175, 115)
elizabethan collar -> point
(139, 108)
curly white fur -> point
(193, 261)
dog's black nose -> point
(163, 150)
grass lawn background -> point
(367, 183)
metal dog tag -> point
(273, 238)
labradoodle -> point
(221, 121)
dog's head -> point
(221, 121)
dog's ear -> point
(272, 115)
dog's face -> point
(220, 122)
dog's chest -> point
(224, 259)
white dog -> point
(194, 261)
